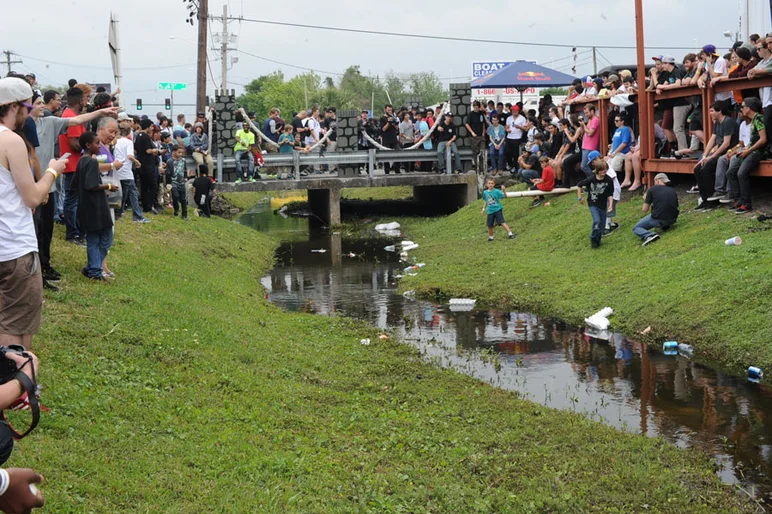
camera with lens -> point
(8, 369)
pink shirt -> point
(592, 142)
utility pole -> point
(8, 61)
(203, 21)
(594, 61)
(224, 47)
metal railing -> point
(369, 158)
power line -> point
(69, 65)
(449, 38)
(337, 74)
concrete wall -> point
(348, 134)
(325, 203)
(460, 105)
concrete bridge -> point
(324, 192)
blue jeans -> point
(497, 164)
(70, 208)
(441, 154)
(98, 243)
(642, 228)
(586, 163)
(130, 194)
(527, 176)
(250, 164)
(598, 223)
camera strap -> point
(29, 387)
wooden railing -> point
(651, 164)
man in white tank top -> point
(21, 293)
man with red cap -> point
(515, 126)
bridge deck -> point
(336, 183)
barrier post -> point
(219, 166)
(371, 162)
(296, 164)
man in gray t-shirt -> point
(48, 130)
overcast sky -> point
(59, 42)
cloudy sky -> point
(59, 40)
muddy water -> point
(615, 379)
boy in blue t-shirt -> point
(492, 199)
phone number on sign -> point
(507, 91)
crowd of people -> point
(75, 159)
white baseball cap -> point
(13, 89)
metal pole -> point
(448, 168)
(305, 90)
(645, 127)
(594, 61)
(219, 167)
(171, 105)
(203, 17)
(224, 48)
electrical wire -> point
(450, 38)
(58, 63)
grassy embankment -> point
(179, 389)
(688, 285)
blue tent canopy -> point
(523, 74)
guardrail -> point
(370, 158)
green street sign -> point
(175, 86)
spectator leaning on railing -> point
(763, 69)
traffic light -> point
(168, 104)
(139, 104)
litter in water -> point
(670, 348)
(319, 250)
(387, 226)
(351, 254)
(390, 248)
(755, 374)
(686, 350)
(462, 301)
(409, 294)
(605, 335)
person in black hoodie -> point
(601, 202)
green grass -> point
(179, 389)
(378, 193)
(688, 285)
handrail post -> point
(603, 116)
(296, 164)
(448, 170)
(371, 162)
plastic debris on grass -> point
(364, 342)
(599, 320)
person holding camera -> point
(389, 132)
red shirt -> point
(548, 176)
(64, 142)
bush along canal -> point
(603, 375)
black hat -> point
(145, 124)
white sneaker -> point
(716, 198)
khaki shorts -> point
(21, 295)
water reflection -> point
(612, 379)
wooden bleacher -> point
(651, 165)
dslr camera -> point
(8, 369)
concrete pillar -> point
(225, 127)
(325, 203)
(348, 133)
(460, 105)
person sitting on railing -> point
(633, 167)
(675, 110)
(691, 67)
(746, 160)
(716, 67)
(448, 133)
(763, 69)
(711, 169)
(620, 145)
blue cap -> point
(593, 155)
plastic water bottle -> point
(755, 374)
(670, 348)
(686, 350)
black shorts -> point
(496, 218)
